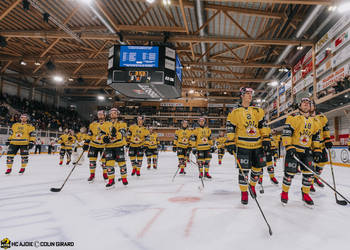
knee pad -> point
(242, 177)
(9, 159)
(270, 170)
(307, 179)
(287, 179)
(92, 164)
(123, 169)
(25, 159)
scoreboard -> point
(145, 72)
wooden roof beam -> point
(9, 9)
(306, 2)
(238, 64)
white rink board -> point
(142, 215)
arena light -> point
(344, 7)
(273, 83)
(37, 63)
(150, 1)
(57, 78)
(191, 91)
(166, 2)
(101, 98)
(110, 98)
(70, 79)
(23, 63)
(225, 93)
(300, 47)
(258, 100)
(87, 2)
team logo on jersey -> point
(251, 131)
(184, 140)
(204, 139)
(18, 135)
(304, 140)
(136, 139)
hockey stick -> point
(319, 177)
(261, 191)
(340, 202)
(175, 173)
(251, 192)
(75, 164)
(200, 177)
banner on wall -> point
(215, 105)
(341, 40)
(324, 68)
(171, 104)
(340, 156)
(341, 56)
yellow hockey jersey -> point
(96, 132)
(22, 134)
(301, 132)
(275, 141)
(201, 138)
(246, 127)
(68, 140)
(119, 140)
(153, 141)
(220, 142)
(137, 136)
(80, 139)
(325, 134)
(182, 138)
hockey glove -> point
(266, 146)
(194, 151)
(212, 149)
(231, 148)
(7, 143)
(317, 156)
(106, 139)
(291, 152)
(86, 147)
(75, 149)
(113, 132)
(318, 170)
(63, 144)
(328, 144)
(174, 149)
(31, 145)
(70, 138)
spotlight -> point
(23, 63)
(57, 78)
(166, 2)
(150, 1)
(191, 91)
(332, 8)
(273, 84)
(70, 79)
(188, 67)
(300, 47)
(101, 98)
(225, 93)
(37, 63)
(193, 81)
(110, 98)
(344, 7)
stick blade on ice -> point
(55, 190)
(342, 202)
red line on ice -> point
(150, 223)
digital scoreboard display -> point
(139, 56)
(178, 67)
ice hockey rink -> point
(153, 212)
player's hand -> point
(113, 132)
(31, 145)
(266, 146)
(194, 151)
(317, 156)
(291, 152)
(174, 149)
(106, 139)
(231, 148)
(7, 143)
(212, 149)
(63, 144)
(328, 144)
(86, 147)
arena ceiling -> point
(232, 43)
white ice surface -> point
(140, 216)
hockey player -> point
(248, 135)
(115, 140)
(182, 145)
(95, 141)
(220, 144)
(138, 135)
(269, 164)
(325, 140)
(22, 138)
(301, 139)
(81, 136)
(275, 146)
(67, 141)
(203, 146)
(152, 149)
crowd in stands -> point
(42, 116)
